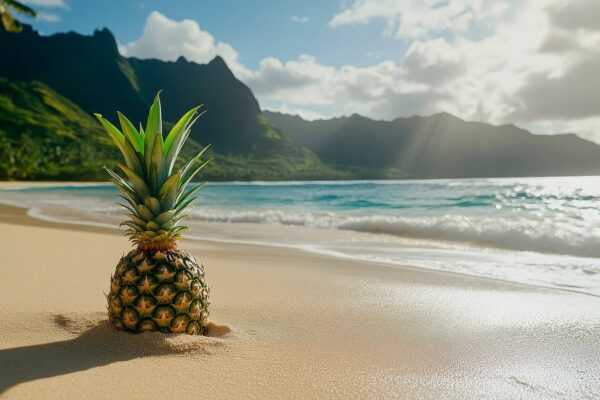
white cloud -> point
(305, 82)
(303, 19)
(536, 67)
(48, 17)
(167, 39)
(559, 41)
(587, 128)
(578, 14)
(433, 62)
(47, 3)
(571, 95)
(304, 113)
(532, 70)
(410, 19)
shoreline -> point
(34, 184)
(532, 248)
(10, 214)
(22, 216)
(304, 325)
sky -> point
(533, 63)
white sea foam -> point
(541, 232)
(515, 233)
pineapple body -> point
(159, 291)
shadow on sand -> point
(96, 344)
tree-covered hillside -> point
(43, 135)
(51, 85)
(439, 146)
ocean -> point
(534, 231)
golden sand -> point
(290, 325)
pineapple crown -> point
(155, 195)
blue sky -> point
(533, 63)
(257, 28)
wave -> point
(466, 241)
(509, 233)
(565, 224)
(537, 234)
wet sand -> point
(303, 326)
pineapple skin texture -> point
(159, 291)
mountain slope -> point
(231, 122)
(45, 136)
(440, 146)
(61, 79)
(90, 72)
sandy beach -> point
(302, 326)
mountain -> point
(230, 123)
(50, 86)
(91, 74)
(440, 146)
(88, 70)
(43, 135)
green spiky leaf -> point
(128, 192)
(137, 182)
(131, 158)
(165, 217)
(191, 173)
(168, 191)
(152, 226)
(153, 204)
(186, 195)
(156, 166)
(133, 226)
(132, 135)
(145, 212)
(191, 162)
(154, 123)
(180, 127)
(155, 195)
(178, 136)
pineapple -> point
(156, 286)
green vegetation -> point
(44, 136)
(47, 130)
(7, 7)
(236, 168)
(285, 161)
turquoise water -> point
(543, 231)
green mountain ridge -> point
(440, 146)
(50, 86)
(94, 77)
(43, 135)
